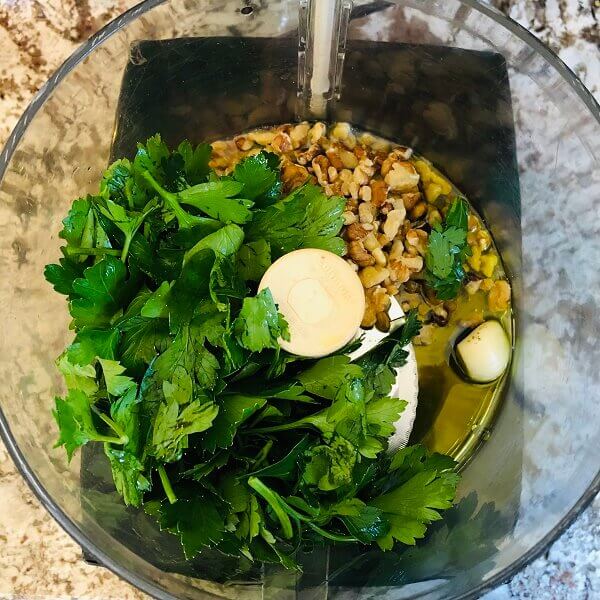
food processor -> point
(492, 108)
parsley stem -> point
(331, 536)
(275, 502)
(286, 426)
(109, 439)
(164, 479)
(282, 510)
(183, 218)
(125, 247)
(92, 251)
(262, 455)
(123, 437)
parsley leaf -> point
(195, 161)
(233, 411)
(184, 219)
(446, 252)
(120, 183)
(284, 468)
(327, 375)
(62, 275)
(142, 340)
(253, 259)
(128, 475)
(101, 292)
(182, 519)
(259, 325)
(381, 415)
(155, 306)
(225, 241)
(215, 198)
(440, 259)
(260, 176)
(90, 343)
(77, 377)
(189, 288)
(79, 224)
(412, 506)
(149, 157)
(330, 465)
(127, 223)
(458, 215)
(117, 384)
(74, 420)
(188, 354)
(124, 411)
(73, 415)
(225, 282)
(380, 363)
(307, 218)
(174, 424)
(366, 523)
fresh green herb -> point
(127, 223)
(260, 176)
(100, 293)
(253, 259)
(259, 325)
(176, 367)
(304, 219)
(390, 354)
(447, 252)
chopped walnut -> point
(399, 272)
(299, 135)
(410, 199)
(402, 177)
(356, 232)
(262, 137)
(320, 164)
(293, 175)
(243, 142)
(395, 218)
(371, 276)
(282, 143)
(417, 238)
(307, 156)
(316, 132)
(359, 254)
(499, 296)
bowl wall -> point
(521, 137)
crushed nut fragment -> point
(365, 213)
(402, 177)
(395, 218)
(499, 296)
(356, 232)
(359, 254)
(371, 276)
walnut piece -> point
(359, 255)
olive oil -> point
(454, 415)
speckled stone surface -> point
(37, 559)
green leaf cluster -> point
(176, 367)
(447, 251)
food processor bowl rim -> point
(23, 466)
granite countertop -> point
(39, 560)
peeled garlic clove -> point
(485, 353)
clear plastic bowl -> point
(413, 71)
